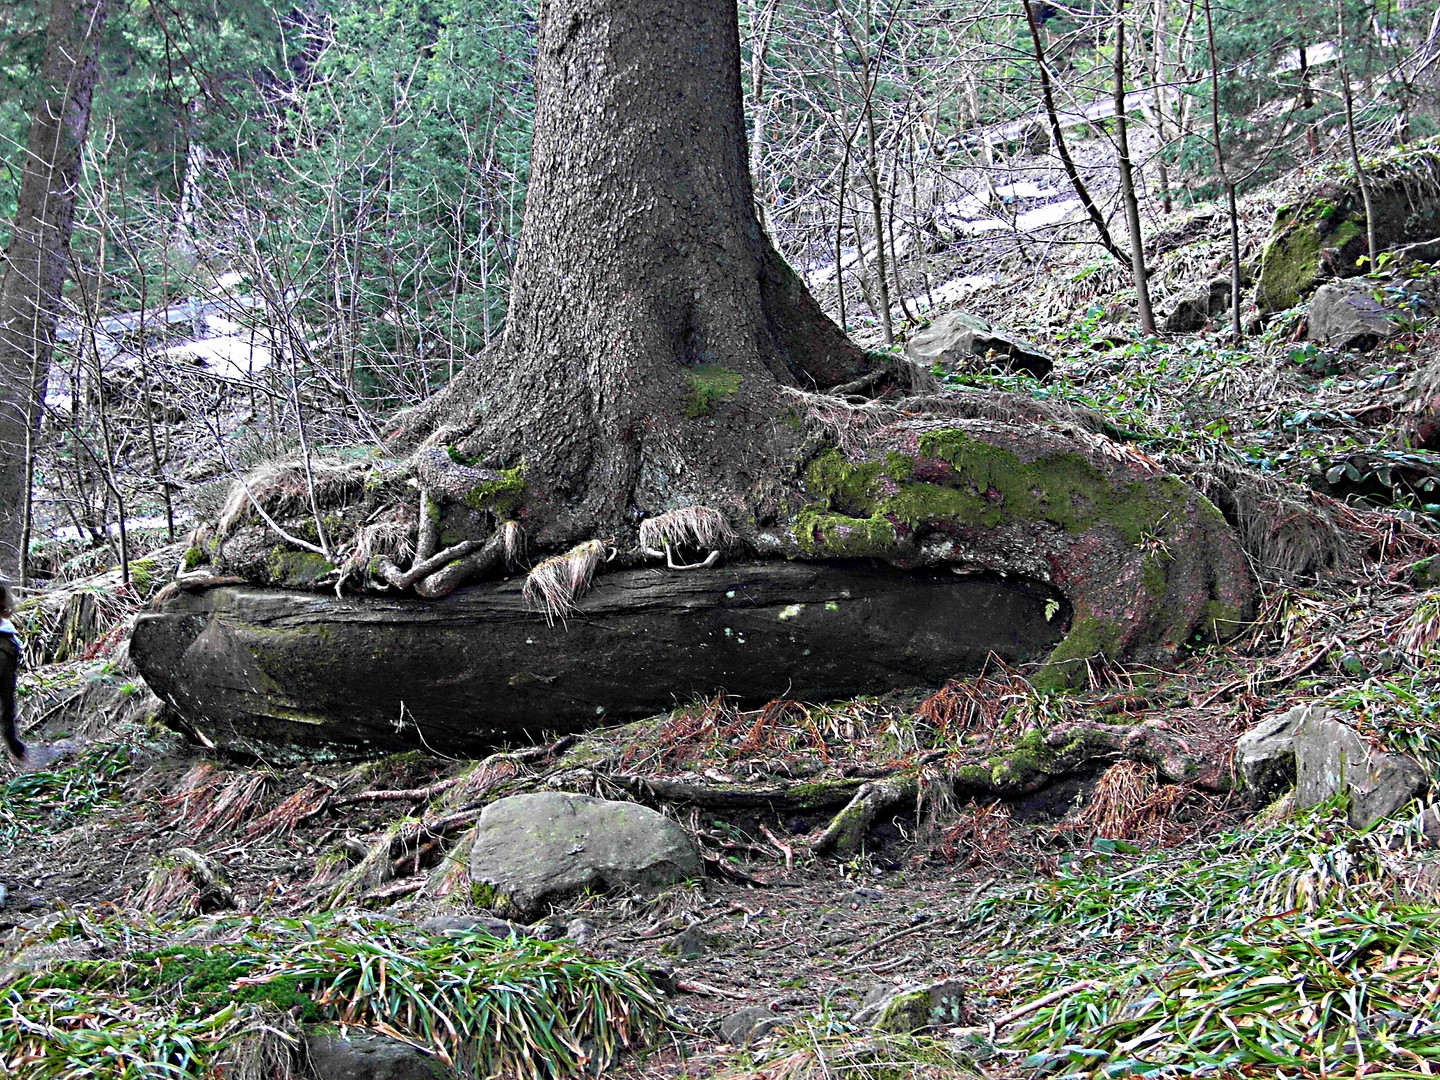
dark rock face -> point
(256, 669)
(1194, 310)
(362, 1055)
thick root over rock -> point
(994, 483)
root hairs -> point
(691, 527)
(553, 585)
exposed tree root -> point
(846, 832)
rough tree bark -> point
(37, 258)
(651, 320)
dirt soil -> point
(812, 936)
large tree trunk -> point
(37, 257)
(651, 319)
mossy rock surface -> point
(1146, 561)
(1323, 233)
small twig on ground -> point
(1040, 1003)
(690, 986)
(414, 794)
(924, 924)
(785, 849)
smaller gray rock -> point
(1265, 755)
(693, 942)
(749, 1024)
(580, 931)
(900, 1010)
(534, 849)
(364, 1055)
(1331, 758)
(1194, 310)
(1346, 315)
(663, 977)
(957, 337)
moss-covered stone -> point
(291, 569)
(972, 483)
(1292, 262)
(1324, 233)
(709, 385)
(143, 575)
(196, 556)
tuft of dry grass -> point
(512, 542)
(1127, 804)
(980, 835)
(552, 586)
(697, 527)
(1417, 637)
(282, 488)
(1289, 531)
(388, 535)
(210, 802)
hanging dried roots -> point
(283, 489)
(552, 586)
(694, 527)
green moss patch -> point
(292, 569)
(968, 482)
(502, 495)
(709, 385)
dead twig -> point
(785, 849)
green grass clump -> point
(514, 1007)
(1287, 949)
(36, 803)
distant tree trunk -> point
(37, 256)
(1128, 196)
(651, 319)
(1155, 63)
(1057, 133)
(1226, 180)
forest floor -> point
(1055, 911)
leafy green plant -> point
(1282, 948)
(49, 801)
(514, 1007)
(1318, 994)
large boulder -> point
(535, 849)
(957, 338)
(262, 670)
